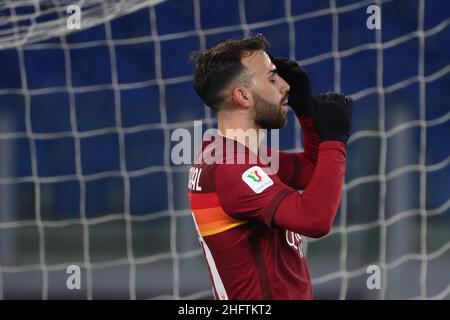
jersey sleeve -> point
(249, 192)
(297, 168)
(312, 213)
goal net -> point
(86, 118)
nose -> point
(284, 87)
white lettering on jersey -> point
(294, 240)
(194, 178)
(257, 179)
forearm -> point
(311, 139)
(296, 169)
(312, 213)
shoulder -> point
(249, 177)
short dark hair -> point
(217, 67)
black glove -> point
(301, 98)
(332, 116)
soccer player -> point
(250, 219)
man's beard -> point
(268, 115)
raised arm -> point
(296, 169)
(277, 204)
(312, 213)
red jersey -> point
(250, 219)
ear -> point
(242, 96)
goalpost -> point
(85, 123)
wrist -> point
(333, 145)
(342, 137)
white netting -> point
(402, 237)
(28, 21)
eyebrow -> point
(272, 72)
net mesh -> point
(86, 119)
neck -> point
(238, 126)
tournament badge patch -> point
(257, 179)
